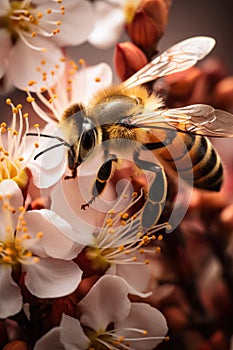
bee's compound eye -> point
(88, 142)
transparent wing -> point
(198, 119)
(179, 57)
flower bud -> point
(148, 24)
(16, 345)
(128, 59)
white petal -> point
(145, 317)
(6, 46)
(10, 296)
(9, 187)
(76, 24)
(108, 26)
(51, 340)
(137, 276)
(52, 278)
(72, 335)
(106, 302)
(24, 61)
(53, 243)
(67, 201)
(84, 84)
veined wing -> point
(200, 119)
(179, 57)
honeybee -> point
(128, 114)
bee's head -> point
(81, 133)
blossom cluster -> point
(94, 256)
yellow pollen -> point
(31, 82)
(110, 230)
(33, 34)
(81, 61)
(48, 11)
(14, 110)
(141, 251)
(30, 99)
(58, 23)
(121, 248)
(145, 332)
(39, 15)
(42, 62)
(3, 125)
(39, 234)
(36, 125)
(134, 194)
(62, 59)
(42, 89)
(134, 258)
(59, 1)
(97, 79)
(157, 250)
(160, 237)
(22, 209)
(123, 223)
(147, 262)
(15, 132)
(19, 106)
(167, 338)
(25, 115)
(8, 101)
(36, 144)
(125, 216)
(109, 222)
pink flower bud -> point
(148, 24)
(128, 59)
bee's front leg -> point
(103, 175)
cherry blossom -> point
(33, 244)
(31, 30)
(111, 15)
(108, 321)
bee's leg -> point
(156, 194)
(103, 175)
(73, 176)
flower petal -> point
(6, 46)
(53, 242)
(72, 335)
(52, 278)
(51, 340)
(10, 296)
(76, 24)
(138, 276)
(108, 26)
(106, 302)
(24, 61)
(145, 317)
(88, 81)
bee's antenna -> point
(49, 149)
(63, 142)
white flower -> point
(76, 86)
(114, 240)
(32, 242)
(110, 20)
(108, 320)
(32, 32)
(17, 152)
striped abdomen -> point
(195, 159)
